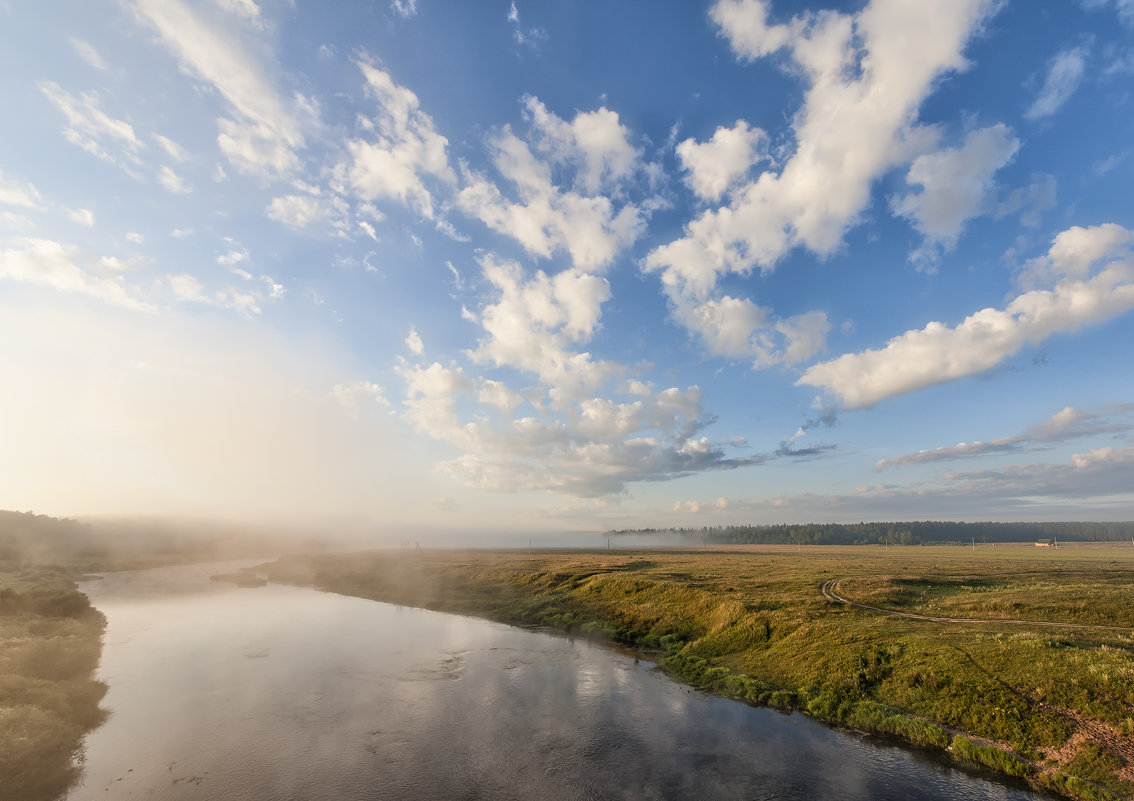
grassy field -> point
(50, 639)
(1051, 706)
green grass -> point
(50, 640)
(751, 623)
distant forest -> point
(926, 532)
(30, 539)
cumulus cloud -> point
(66, 268)
(1066, 424)
(246, 302)
(414, 343)
(738, 328)
(546, 219)
(587, 431)
(401, 146)
(865, 76)
(1064, 75)
(305, 211)
(596, 143)
(592, 448)
(712, 167)
(536, 324)
(955, 183)
(1093, 274)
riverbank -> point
(50, 640)
(1052, 707)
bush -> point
(989, 756)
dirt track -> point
(830, 591)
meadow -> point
(1052, 706)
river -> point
(278, 692)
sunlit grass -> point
(752, 624)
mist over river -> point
(219, 692)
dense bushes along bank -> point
(50, 640)
(754, 626)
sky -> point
(567, 266)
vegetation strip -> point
(50, 641)
(830, 591)
(1053, 708)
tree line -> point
(900, 533)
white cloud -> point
(91, 129)
(88, 53)
(181, 233)
(82, 217)
(712, 167)
(534, 325)
(67, 269)
(499, 396)
(351, 395)
(1066, 424)
(1063, 77)
(579, 440)
(530, 37)
(186, 287)
(939, 353)
(404, 8)
(18, 193)
(592, 448)
(547, 219)
(232, 257)
(246, 10)
(865, 77)
(303, 211)
(135, 237)
(264, 135)
(190, 290)
(414, 343)
(174, 150)
(402, 146)
(595, 143)
(172, 182)
(738, 328)
(956, 184)
(1072, 254)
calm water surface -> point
(218, 692)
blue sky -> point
(568, 265)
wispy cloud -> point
(1064, 75)
(1063, 426)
